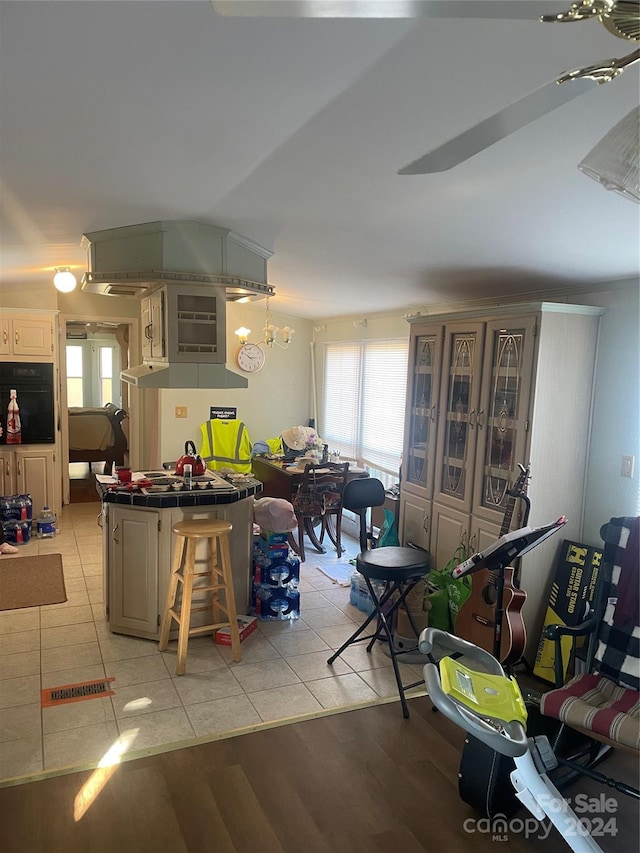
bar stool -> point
(187, 533)
(399, 569)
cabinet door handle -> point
(17, 336)
(148, 331)
(432, 414)
(99, 520)
(18, 468)
(479, 420)
(473, 418)
(5, 336)
(8, 467)
(113, 534)
(425, 524)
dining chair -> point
(318, 501)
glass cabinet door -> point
(506, 391)
(423, 388)
(456, 449)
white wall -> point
(616, 414)
(278, 396)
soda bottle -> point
(14, 428)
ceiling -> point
(291, 133)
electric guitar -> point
(476, 620)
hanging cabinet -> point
(485, 393)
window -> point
(364, 403)
(106, 375)
(75, 393)
(93, 371)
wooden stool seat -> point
(218, 576)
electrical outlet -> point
(626, 469)
(181, 411)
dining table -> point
(281, 479)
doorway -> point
(93, 351)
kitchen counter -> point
(138, 543)
(238, 491)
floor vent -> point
(76, 692)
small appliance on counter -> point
(190, 457)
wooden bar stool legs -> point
(218, 577)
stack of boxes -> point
(276, 576)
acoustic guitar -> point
(476, 619)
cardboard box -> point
(246, 624)
(272, 537)
(572, 593)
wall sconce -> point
(270, 333)
(64, 280)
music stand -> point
(497, 556)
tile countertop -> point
(164, 500)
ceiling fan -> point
(620, 17)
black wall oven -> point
(33, 384)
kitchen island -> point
(137, 542)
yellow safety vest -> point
(226, 444)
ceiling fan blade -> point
(496, 127)
(515, 10)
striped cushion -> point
(598, 705)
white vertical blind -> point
(364, 400)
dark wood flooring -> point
(365, 780)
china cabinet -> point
(487, 392)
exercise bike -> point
(488, 704)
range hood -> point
(165, 375)
(137, 259)
(183, 273)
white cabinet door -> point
(455, 457)
(31, 471)
(133, 571)
(415, 520)
(31, 336)
(35, 476)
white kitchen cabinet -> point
(183, 323)
(137, 549)
(503, 388)
(27, 336)
(31, 470)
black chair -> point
(399, 569)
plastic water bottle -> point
(355, 588)
(46, 524)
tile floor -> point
(283, 672)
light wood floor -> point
(365, 780)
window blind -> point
(364, 400)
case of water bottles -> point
(16, 518)
(276, 576)
(360, 596)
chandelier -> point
(269, 333)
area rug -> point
(31, 581)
